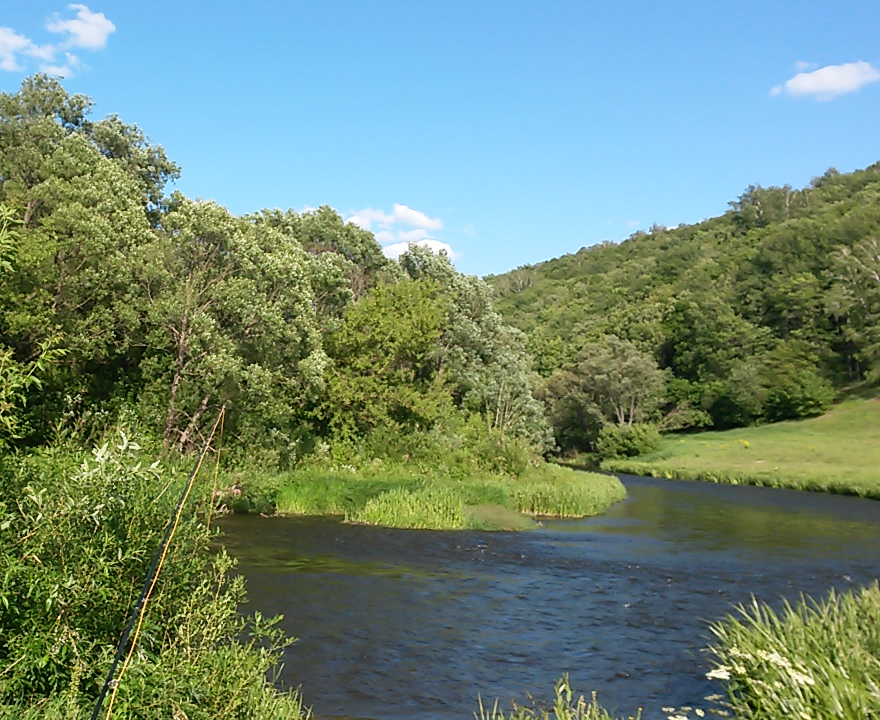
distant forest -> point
(761, 314)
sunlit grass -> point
(812, 660)
(400, 498)
(560, 492)
(838, 452)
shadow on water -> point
(414, 624)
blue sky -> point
(512, 132)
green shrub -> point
(75, 546)
(617, 441)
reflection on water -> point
(411, 624)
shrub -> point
(617, 441)
(75, 547)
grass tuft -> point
(815, 659)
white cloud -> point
(11, 43)
(365, 218)
(408, 216)
(400, 214)
(70, 69)
(413, 235)
(400, 228)
(830, 81)
(88, 30)
(397, 249)
(385, 236)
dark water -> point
(411, 624)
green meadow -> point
(838, 452)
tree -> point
(856, 295)
(16, 378)
(624, 382)
(229, 319)
(484, 359)
(385, 369)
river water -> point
(415, 624)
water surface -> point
(415, 624)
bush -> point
(75, 546)
(616, 441)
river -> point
(397, 624)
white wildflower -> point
(719, 673)
(802, 678)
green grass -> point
(400, 496)
(564, 707)
(838, 452)
(813, 660)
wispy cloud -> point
(400, 228)
(87, 30)
(828, 82)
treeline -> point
(759, 315)
(120, 299)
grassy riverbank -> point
(405, 495)
(838, 452)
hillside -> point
(780, 290)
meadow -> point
(838, 452)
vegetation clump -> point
(77, 538)
(564, 707)
(814, 659)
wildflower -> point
(699, 712)
(719, 673)
(668, 710)
(801, 678)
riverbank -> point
(409, 496)
(838, 452)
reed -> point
(561, 492)
(402, 496)
(814, 659)
(565, 707)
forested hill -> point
(781, 290)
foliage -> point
(815, 659)
(77, 543)
(786, 280)
(616, 441)
(444, 481)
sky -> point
(506, 133)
